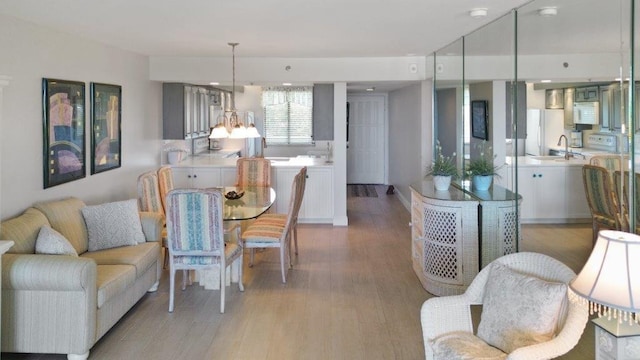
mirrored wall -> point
(556, 81)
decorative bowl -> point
(233, 195)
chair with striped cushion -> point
(599, 191)
(149, 193)
(269, 235)
(280, 219)
(165, 181)
(196, 237)
(253, 172)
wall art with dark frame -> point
(105, 127)
(479, 117)
(63, 136)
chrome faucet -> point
(567, 154)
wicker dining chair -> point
(196, 237)
(165, 182)
(598, 188)
(447, 321)
(253, 172)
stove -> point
(603, 142)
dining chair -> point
(280, 219)
(149, 198)
(253, 172)
(599, 191)
(165, 182)
(196, 237)
(269, 235)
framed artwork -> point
(63, 135)
(105, 127)
(479, 119)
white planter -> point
(481, 182)
(441, 183)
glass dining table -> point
(255, 201)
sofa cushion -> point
(142, 256)
(519, 310)
(113, 224)
(52, 242)
(462, 345)
(113, 280)
(23, 230)
(66, 218)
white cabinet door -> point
(181, 177)
(317, 204)
(542, 190)
(228, 176)
(205, 178)
(284, 179)
(527, 177)
(577, 206)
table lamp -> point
(610, 283)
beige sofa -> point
(64, 304)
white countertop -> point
(547, 161)
(209, 161)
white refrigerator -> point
(542, 126)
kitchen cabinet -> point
(317, 203)
(322, 112)
(568, 109)
(589, 94)
(228, 176)
(576, 199)
(194, 177)
(554, 99)
(542, 190)
(186, 110)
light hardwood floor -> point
(352, 294)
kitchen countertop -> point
(209, 161)
(530, 160)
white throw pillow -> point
(519, 310)
(113, 224)
(462, 345)
(52, 242)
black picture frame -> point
(479, 119)
(63, 114)
(106, 121)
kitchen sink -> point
(548, 157)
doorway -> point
(366, 134)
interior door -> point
(366, 142)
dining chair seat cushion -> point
(519, 310)
(52, 242)
(462, 345)
(263, 233)
(230, 251)
(272, 219)
(113, 224)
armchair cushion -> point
(52, 242)
(519, 310)
(113, 224)
(464, 345)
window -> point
(288, 115)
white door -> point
(366, 139)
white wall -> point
(29, 53)
(406, 134)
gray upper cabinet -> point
(323, 112)
(186, 110)
(586, 94)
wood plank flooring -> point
(352, 294)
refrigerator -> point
(541, 126)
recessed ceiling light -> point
(370, 89)
(478, 13)
(214, 83)
(286, 84)
(545, 81)
(548, 11)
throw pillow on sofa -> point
(52, 242)
(113, 225)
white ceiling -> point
(264, 28)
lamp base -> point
(614, 340)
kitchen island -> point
(202, 171)
(457, 232)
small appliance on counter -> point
(576, 139)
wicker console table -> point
(457, 232)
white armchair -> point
(450, 314)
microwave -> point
(586, 112)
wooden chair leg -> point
(284, 278)
(172, 282)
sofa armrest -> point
(48, 272)
(152, 224)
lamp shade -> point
(610, 280)
(252, 131)
(238, 132)
(219, 132)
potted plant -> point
(481, 169)
(443, 170)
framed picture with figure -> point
(63, 131)
(479, 117)
(105, 127)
